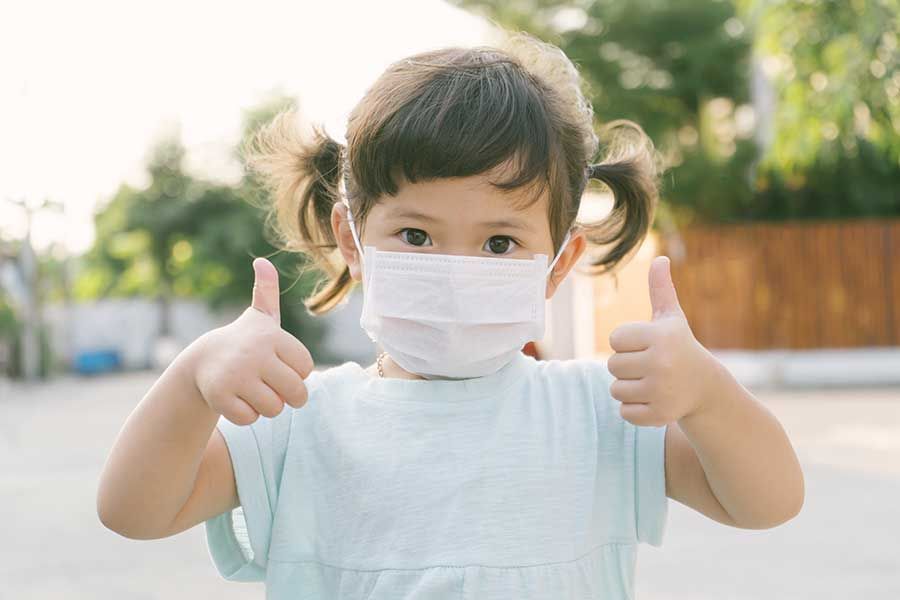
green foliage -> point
(9, 325)
(683, 71)
(185, 237)
(837, 152)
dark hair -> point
(516, 109)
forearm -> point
(746, 455)
(151, 469)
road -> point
(54, 438)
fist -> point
(659, 366)
(251, 366)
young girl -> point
(455, 466)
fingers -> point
(265, 288)
(261, 398)
(639, 414)
(631, 337)
(632, 391)
(632, 395)
(240, 412)
(285, 382)
(294, 354)
(629, 365)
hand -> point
(251, 366)
(661, 368)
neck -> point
(393, 370)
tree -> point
(679, 69)
(683, 71)
(185, 237)
(837, 148)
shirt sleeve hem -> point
(238, 539)
(652, 503)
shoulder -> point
(587, 372)
(588, 376)
(326, 388)
(335, 380)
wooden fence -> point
(819, 284)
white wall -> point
(129, 325)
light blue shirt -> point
(526, 483)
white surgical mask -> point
(444, 315)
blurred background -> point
(128, 227)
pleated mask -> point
(452, 316)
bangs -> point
(469, 113)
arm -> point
(732, 461)
(726, 454)
(214, 489)
(169, 468)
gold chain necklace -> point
(380, 364)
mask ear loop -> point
(558, 254)
(352, 223)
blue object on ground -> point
(97, 361)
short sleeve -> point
(640, 453)
(651, 503)
(238, 540)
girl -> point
(455, 466)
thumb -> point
(265, 288)
(663, 298)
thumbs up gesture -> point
(251, 366)
(660, 367)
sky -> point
(87, 87)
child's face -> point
(463, 216)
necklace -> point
(380, 364)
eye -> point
(414, 237)
(500, 244)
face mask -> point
(444, 315)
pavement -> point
(55, 436)
(826, 367)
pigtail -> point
(302, 175)
(631, 171)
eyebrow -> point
(514, 224)
(411, 214)
(414, 214)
